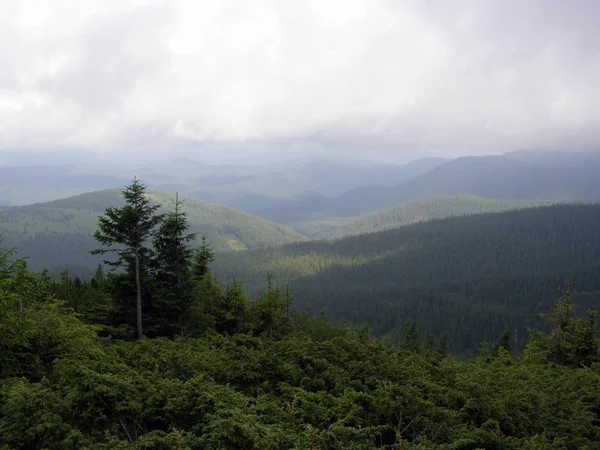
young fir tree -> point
(269, 310)
(173, 264)
(443, 344)
(203, 256)
(411, 340)
(572, 341)
(236, 306)
(14, 283)
(126, 232)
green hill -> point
(473, 277)
(60, 232)
(428, 208)
(321, 225)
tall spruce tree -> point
(126, 231)
(173, 264)
(203, 256)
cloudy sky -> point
(365, 78)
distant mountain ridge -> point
(507, 177)
(246, 187)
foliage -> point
(573, 339)
(126, 231)
(345, 390)
(173, 267)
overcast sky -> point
(368, 78)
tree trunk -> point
(138, 292)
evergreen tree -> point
(126, 231)
(429, 342)
(203, 256)
(173, 264)
(235, 309)
(503, 342)
(572, 341)
(14, 284)
(411, 340)
(443, 344)
(98, 278)
(269, 310)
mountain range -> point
(515, 176)
(246, 187)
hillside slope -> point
(425, 209)
(473, 276)
(58, 232)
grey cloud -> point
(360, 77)
(111, 56)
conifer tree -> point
(503, 342)
(173, 263)
(411, 340)
(443, 344)
(235, 308)
(203, 256)
(572, 341)
(126, 231)
(269, 310)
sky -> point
(232, 80)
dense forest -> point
(58, 234)
(425, 209)
(471, 277)
(317, 226)
(161, 355)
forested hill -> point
(472, 277)
(58, 233)
(428, 208)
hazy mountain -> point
(247, 187)
(59, 176)
(551, 177)
(39, 183)
(58, 233)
